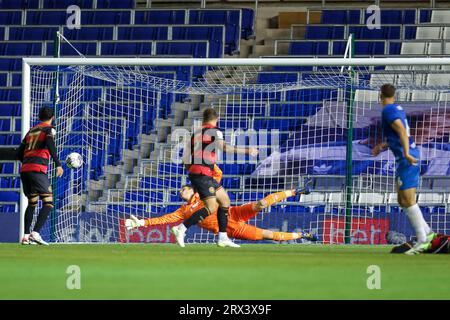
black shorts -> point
(35, 183)
(205, 186)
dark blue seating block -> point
(63, 4)
(7, 208)
(194, 49)
(294, 109)
(159, 16)
(35, 17)
(10, 94)
(7, 167)
(2, 34)
(213, 34)
(9, 196)
(142, 33)
(324, 32)
(308, 48)
(231, 183)
(410, 32)
(396, 16)
(361, 48)
(395, 48)
(86, 48)
(10, 64)
(230, 18)
(3, 79)
(126, 48)
(248, 17)
(89, 33)
(114, 4)
(18, 4)
(10, 17)
(35, 33)
(425, 15)
(270, 77)
(340, 16)
(106, 17)
(5, 125)
(20, 49)
(10, 109)
(384, 33)
(9, 182)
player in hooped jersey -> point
(34, 153)
(199, 158)
(407, 155)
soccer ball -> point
(74, 160)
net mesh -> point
(130, 125)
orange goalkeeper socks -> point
(285, 236)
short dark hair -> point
(46, 113)
(387, 90)
(209, 114)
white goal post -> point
(330, 77)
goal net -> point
(314, 121)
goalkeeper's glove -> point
(134, 222)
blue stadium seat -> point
(410, 32)
(10, 94)
(9, 64)
(324, 32)
(294, 109)
(114, 4)
(8, 208)
(89, 33)
(18, 4)
(7, 167)
(425, 15)
(20, 49)
(194, 49)
(34, 33)
(231, 183)
(63, 4)
(10, 109)
(2, 34)
(5, 125)
(230, 18)
(340, 16)
(215, 35)
(389, 16)
(11, 17)
(142, 33)
(438, 210)
(308, 48)
(361, 48)
(384, 33)
(126, 48)
(3, 79)
(10, 196)
(248, 17)
(159, 16)
(86, 48)
(87, 18)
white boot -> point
(224, 241)
(36, 237)
(179, 232)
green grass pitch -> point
(112, 271)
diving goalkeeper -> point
(239, 215)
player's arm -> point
(400, 129)
(222, 145)
(173, 217)
(380, 147)
(50, 142)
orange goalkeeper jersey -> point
(186, 210)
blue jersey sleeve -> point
(392, 113)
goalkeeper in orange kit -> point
(238, 227)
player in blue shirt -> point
(407, 166)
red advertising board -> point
(151, 234)
(363, 230)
